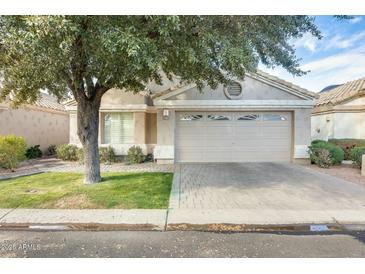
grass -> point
(66, 190)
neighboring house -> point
(340, 112)
(262, 118)
(44, 123)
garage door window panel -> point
(218, 117)
(249, 117)
(191, 117)
(275, 117)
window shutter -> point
(119, 128)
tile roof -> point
(285, 83)
(50, 102)
(45, 101)
(342, 93)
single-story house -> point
(259, 119)
(340, 112)
(44, 123)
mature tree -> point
(88, 55)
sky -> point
(337, 58)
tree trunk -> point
(88, 132)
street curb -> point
(231, 228)
(83, 219)
(214, 227)
(80, 227)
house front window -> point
(118, 128)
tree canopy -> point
(64, 54)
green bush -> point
(317, 141)
(33, 152)
(12, 151)
(322, 157)
(347, 145)
(135, 155)
(356, 155)
(317, 155)
(67, 152)
(51, 150)
(106, 155)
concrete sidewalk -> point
(175, 219)
(104, 219)
(265, 217)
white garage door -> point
(233, 136)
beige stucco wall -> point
(339, 125)
(302, 133)
(73, 139)
(139, 128)
(37, 126)
(165, 148)
(117, 97)
(322, 126)
(356, 102)
(349, 125)
(346, 120)
(151, 128)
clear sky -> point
(337, 58)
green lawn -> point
(66, 190)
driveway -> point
(262, 186)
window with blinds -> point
(119, 128)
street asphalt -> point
(178, 244)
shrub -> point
(135, 155)
(322, 157)
(33, 152)
(51, 150)
(356, 155)
(348, 144)
(106, 155)
(317, 141)
(67, 152)
(12, 151)
(317, 156)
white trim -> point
(301, 151)
(234, 104)
(164, 152)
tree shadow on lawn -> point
(113, 177)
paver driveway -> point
(262, 186)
